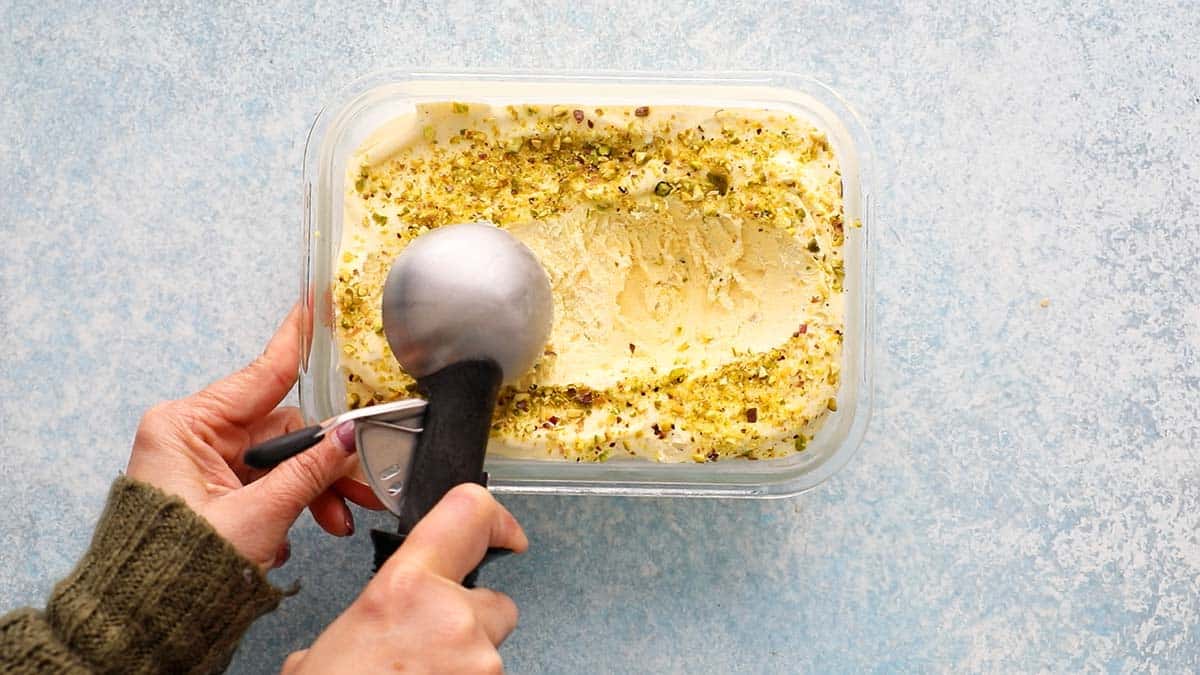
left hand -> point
(193, 448)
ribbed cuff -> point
(158, 590)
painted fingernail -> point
(283, 554)
(343, 437)
(349, 521)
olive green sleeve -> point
(158, 591)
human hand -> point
(193, 448)
(415, 615)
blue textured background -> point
(1027, 496)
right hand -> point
(415, 615)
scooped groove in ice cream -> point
(695, 256)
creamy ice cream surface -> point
(695, 256)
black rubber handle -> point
(268, 454)
(450, 449)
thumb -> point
(292, 485)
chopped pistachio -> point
(543, 166)
(719, 177)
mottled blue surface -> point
(1028, 494)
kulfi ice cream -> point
(695, 257)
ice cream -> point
(695, 257)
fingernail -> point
(349, 521)
(283, 554)
(343, 437)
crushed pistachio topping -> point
(512, 165)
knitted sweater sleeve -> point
(158, 591)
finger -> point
(280, 421)
(356, 491)
(253, 391)
(283, 554)
(452, 538)
(298, 480)
(307, 315)
(497, 613)
(293, 661)
(332, 514)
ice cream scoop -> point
(465, 308)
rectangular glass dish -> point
(366, 104)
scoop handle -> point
(450, 448)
